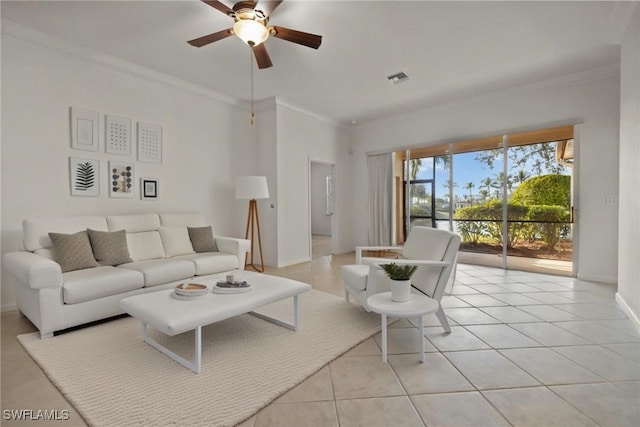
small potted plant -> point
(400, 275)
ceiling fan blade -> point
(305, 39)
(205, 40)
(268, 6)
(262, 56)
(219, 6)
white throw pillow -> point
(146, 245)
(176, 241)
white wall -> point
(302, 136)
(320, 221)
(629, 216)
(205, 142)
(591, 98)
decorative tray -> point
(223, 287)
(190, 290)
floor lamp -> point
(252, 188)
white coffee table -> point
(172, 316)
(417, 306)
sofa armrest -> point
(234, 246)
(32, 270)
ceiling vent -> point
(398, 78)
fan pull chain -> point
(252, 90)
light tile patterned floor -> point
(525, 349)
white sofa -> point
(161, 259)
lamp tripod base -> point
(253, 223)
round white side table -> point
(417, 306)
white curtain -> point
(380, 202)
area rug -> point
(113, 378)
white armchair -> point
(434, 251)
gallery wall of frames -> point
(125, 149)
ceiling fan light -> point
(251, 32)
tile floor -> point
(525, 349)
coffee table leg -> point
(198, 349)
(384, 338)
(293, 326)
(194, 366)
(421, 334)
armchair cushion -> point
(355, 276)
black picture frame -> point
(149, 188)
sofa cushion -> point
(73, 251)
(35, 231)
(175, 241)
(86, 285)
(211, 262)
(146, 245)
(161, 271)
(109, 247)
(193, 219)
(202, 239)
(134, 223)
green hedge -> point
(546, 190)
(485, 220)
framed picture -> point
(84, 129)
(121, 179)
(117, 138)
(85, 177)
(149, 143)
(149, 188)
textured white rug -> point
(113, 378)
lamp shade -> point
(252, 187)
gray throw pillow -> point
(109, 247)
(73, 251)
(202, 239)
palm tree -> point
(485, 186)
(521, 176)
(469, 186)
(414, 167)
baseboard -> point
(8, 307)
(596, 278)
(625, 307)
(293, 262)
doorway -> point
(321, 202)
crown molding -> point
(563, 80)
(27, 35)
(298, 109)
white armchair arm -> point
(418, 262)
(360, 249)
(32, 270)
(234, 246)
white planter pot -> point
(400, 290)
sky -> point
(466, 168)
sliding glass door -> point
(508, 196)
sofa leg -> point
(443, 320)
(45, 335)
(346, 296)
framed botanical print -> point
(85, 177)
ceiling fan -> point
(251, 19)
